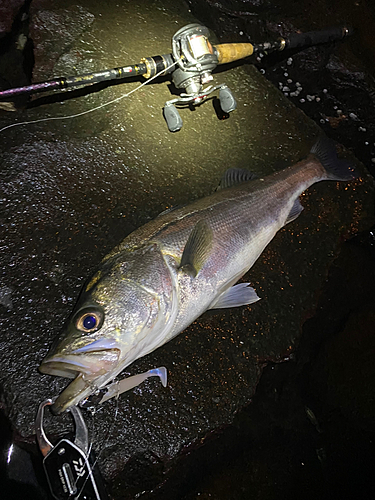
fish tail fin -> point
(336, 169)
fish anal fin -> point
(197, 249)
(295, 211)
(237, 295)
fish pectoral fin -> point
(234, 176)
(237, 295)
(295, 211)
(197, 249)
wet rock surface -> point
(16, 51)
(310, 425)
(53, 33)
(74, 189)
(332, 84)
(9, 10)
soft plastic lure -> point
(117, 388)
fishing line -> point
(93, 109)
(109, 431)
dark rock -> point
(8, 11)
(53, 32)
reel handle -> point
(227, 101)
(172, 117)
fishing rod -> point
(191, 63)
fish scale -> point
(165, 274)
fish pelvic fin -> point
(337, 169)
(197, 249)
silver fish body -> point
(168, 272)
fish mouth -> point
(91, 367)
(68, 366)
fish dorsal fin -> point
(295, 211)
(197, 249)
(234, 176)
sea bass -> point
(168, 272)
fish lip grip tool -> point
(69, 464)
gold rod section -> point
(229, 52)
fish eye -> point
(89, 320)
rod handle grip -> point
(303, 40)
(229, 52)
